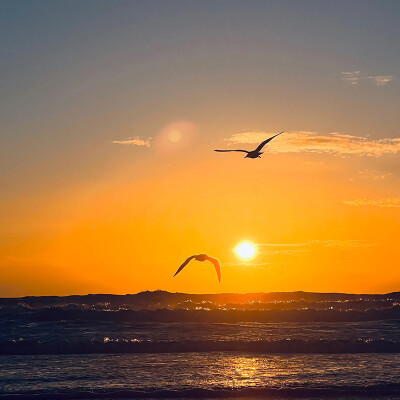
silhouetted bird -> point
(255, 153)
(201, 258)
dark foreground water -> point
(213, 374)
(83, 351)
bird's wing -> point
(183, 265)
(223, 151)
(266, 141)
(217, 266)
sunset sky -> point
(110, 112)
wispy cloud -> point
(136, 141)
(286, 252)
(283, 244)
(293, 249)
(351, 77)
(374, 175)
(334, 142)
(343, 243)
(247, 264)
(354, 77)
(381, 80)
(325, 243)
(382, 202)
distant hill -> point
(163, 299)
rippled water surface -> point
(217, 372)
(76, 352)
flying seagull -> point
(201, 258)
(255, 153)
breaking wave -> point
(219, 315)
(281, 346)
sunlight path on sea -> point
(210, 371)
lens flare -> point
(175, 137)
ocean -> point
(167, 345)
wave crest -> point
(282, 346)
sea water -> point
(80, 351)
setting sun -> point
(245, 250)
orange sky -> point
(108, 176)
(130, 233)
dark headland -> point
(163, 299)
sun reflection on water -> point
(245, 371)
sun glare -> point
(245, 250)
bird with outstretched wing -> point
(201, 258)
(254, 153)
